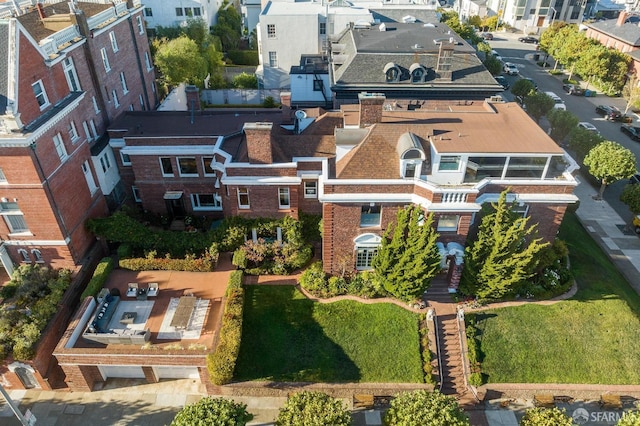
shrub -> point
(314, 280)
(124, 251)
(426, 353)
(99, 278)
(8, 290)
(222, 361)
(245, 81)
(208, 410)
(189, 263)
(337, 286)
(243, 57)
(425, 408)
(474, 352)
(313, 409)
(269, 102)
(546, 416)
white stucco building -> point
(169, 13)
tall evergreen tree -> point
(408, 258)
(503, 254)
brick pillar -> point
(370, 108)
(149, 374)
(327, 238)
(193, 97)
(259, 142)
(81, 378)
(210, 387)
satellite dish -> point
(300, 114)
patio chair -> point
(132, 289)
(153, 290)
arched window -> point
(366, 247)
(411, 155)
(392, 73)
(25, 255)
(418, 73)
(38, 255)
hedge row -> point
(474, 351)
(243, 57)
(191, 264)
(99, 278)
(426, 353)
(222, 362)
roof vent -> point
(382, 27)
(416, 46)
(362, 25)
(429, 25)
(409, 19)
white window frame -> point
(105, 59)
(123, 82)
(140, 25)
(85, 126)
(92, 125)
(284, 198)
(3, 178)
(445, 223)
(147, 62)
(12, 209)
(71, 75)
(116, 102)
(164, 173)
(95, 105)
(273, 59)
(311, 189)
(365, 224)
(40, 95)
(243, 192)
(38, 255)
(88, 176)
(322, 28)
(271, 31)
(448, 159)
(131, 107)
(179, 11)
(58, 143)
(136, 194)
(180, 168)
(188, 12)
(196, 203)
(25, 256)
(148, 11)
(366, 245)
(73, 132)
(105, 163)
(114, 42)
(197, 11)
(205, 166)
(141, 101)
(125, 159)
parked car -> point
(609, 112)
(502, 81)
(634, 179)
(528, 39)
(636, 224)
(572, 89)
(535, 86)
(588, 126)
(510, 69)
(632, 131)
(486, 36)
(496, 55)
(559, 103)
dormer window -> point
(411, 156)
(418, 73)
(392, 73)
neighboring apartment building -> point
(622, 34)
(287, 30)
(356, 167)
(171, 13)
(66, 71)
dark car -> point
(632, 131)
(635, 179)
(502, 82)
(609, 112)
(572, 89)
(487, 36)
(528, 39)
(535, 86)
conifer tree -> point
(503, 254)
(408, 258)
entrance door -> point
(176, 208)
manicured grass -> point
(287, 337)
(592, 338)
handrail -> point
(462, 336)
(439, 353)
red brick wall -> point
(370, 110)
(263, 202)
(549, 217)
(258, 137)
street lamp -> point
(553, 18)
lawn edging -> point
(577, 391)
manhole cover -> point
(74, 409)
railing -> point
(454, 197)
(102, 17)
(439, 351)
(462, 335)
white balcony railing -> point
(454, 197)
(96, 20)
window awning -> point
(173, 195)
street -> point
(511, 50)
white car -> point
(510, 69)
(559, 103)
(496, 55)
(588, 126)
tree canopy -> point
(463, 29)
(538, 104)
(562, 122)
(522, 88)
(228, 29)
(631, 93)
(408, 258)
(213, 412)
(546, 417)
(419, 408)
(609, 162)
(582, 141)
(313, 409)
(503, 254)
(629, 418)
(631, 197)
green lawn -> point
(592, 338)
(287, 337)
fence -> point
(238, 96)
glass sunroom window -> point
(526, 167)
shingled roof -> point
(628, 32)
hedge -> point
(222, 361)
(189, 263)
(243, 57)
(99, 278)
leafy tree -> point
(617, 70)
(484, 47)
(245, 81)
(503, 254)
(549, 39)
(522, 88)
(538, 104)
(214, 412)
(229, 26)
(546, 417)
(475, 21)
(420, 407)
(493, 65)
(179, 60)
(609, 162)
(572, 46)
(464, 30)
(562, 122)
(490, 23)
(408, 258)
(631, 197)
(629, 418)
(313, 409)
(582, 140)
(631, 92)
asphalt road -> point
(511, 50)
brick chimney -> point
(285, 101)
(370, 108)
(621, 18)
(193, 97)
(259, 142)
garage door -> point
(176, 372)
(124, 371)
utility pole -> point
(14, 407)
